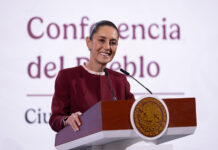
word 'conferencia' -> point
(38, 28)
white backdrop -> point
(185, 51)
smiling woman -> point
(79, 88)
(102, 46)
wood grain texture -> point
(182, 112)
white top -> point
(93, 72)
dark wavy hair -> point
(99, 24)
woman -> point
(77, 89)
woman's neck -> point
(95, 67)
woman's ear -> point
(88, 43)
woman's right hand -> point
(74, 121)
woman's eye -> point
(101, 40)
(113, 43)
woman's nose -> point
(107, 45)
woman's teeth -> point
(105, 54)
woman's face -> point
(103, 45)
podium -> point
(109, 122)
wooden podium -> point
(109, 121)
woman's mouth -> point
(105, 53)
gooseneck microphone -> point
(109, 81)
(127, 73)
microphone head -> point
(105, 71)
(124, 71)
(127, 73)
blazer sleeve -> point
(60, 107)
(128, 94)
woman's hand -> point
(74, 120)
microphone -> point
(109, 81)
(127, 73)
